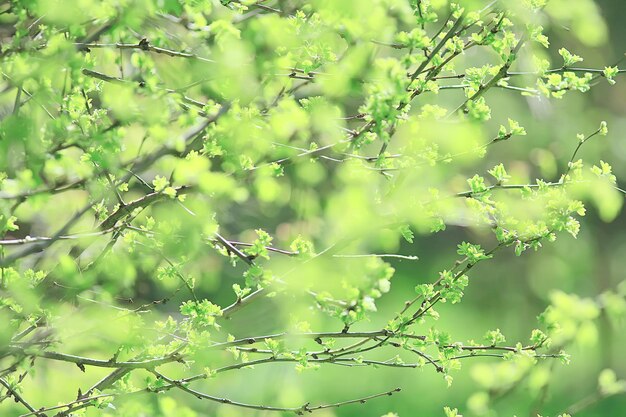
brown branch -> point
(144, 45)
(40, 246)
(18, 398)
(81, 361)
(298, 410)
(142, 202)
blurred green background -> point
(508, 292)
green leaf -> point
(160, 183)
(569, 59)
(499, 173)
(407, 234)
(477, 184)
(610, 73)
(494, 337)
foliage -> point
(171, 166)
